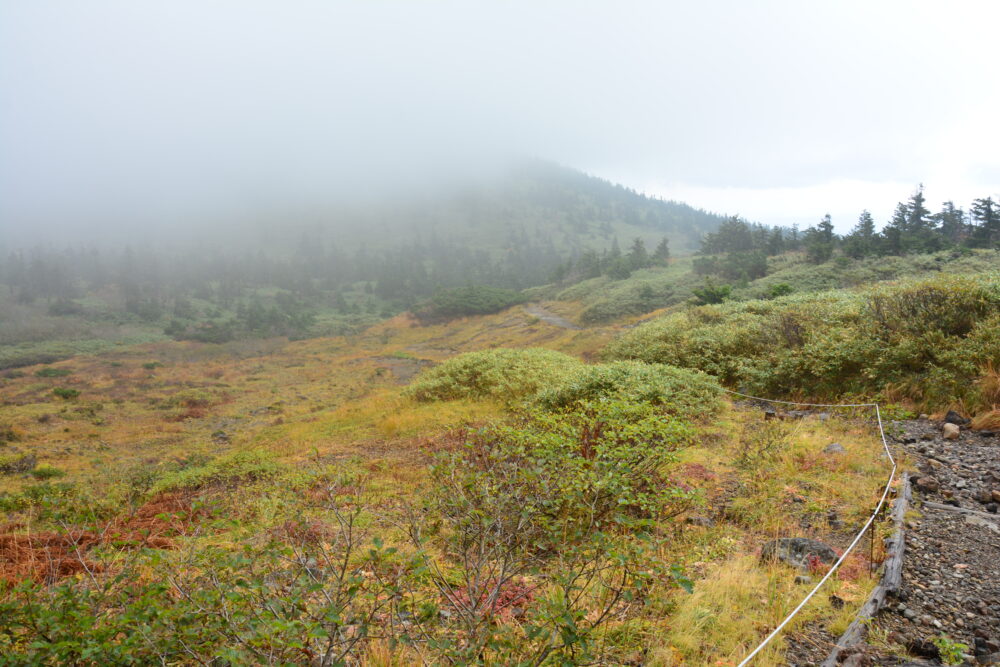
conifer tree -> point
(985, 215)
(638, 258)
(661, 255)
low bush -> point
(469, 300)
(49, 372)
(634, 298)
(66, 393)
(925, 341)
(677, 390)
(502, 374)
(47, 471)
(14, 463)
(226, 471)
(567, 502)
(8, 433)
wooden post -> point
(892, 577)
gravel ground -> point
(951, 566)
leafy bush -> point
(925, 340)
(8, 433)
(711, 293)
(15, 463)
(634, 298)
(47, 471)
(49, 372)
(677, 390)
(66, 393)
(570, 473)
(291, 600)
(760, 441)
(502, 374)
(564, 499)
(780, 289)
(951, 651)
(226, 471)
(469, 300)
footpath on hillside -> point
(548, 316)
(948, 609)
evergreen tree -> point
(661, 255)
(638, 258)
(951, 222)
(985, 214)
(893, 234)
(820, 241)
(920, 233)
(860, 242)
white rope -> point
(857, 538)
(811, 405)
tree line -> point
(738, 250)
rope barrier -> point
(857, 538)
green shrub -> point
(677, 390)
(780, 289)
(926, 340)
(66, 393)
(47, 471)
(711, 293)
(951, 651)
(469, 300)
(8, 434)
(561, 477)
(503, 374)
(632, 298)
(226, 471)
(49, 372)
(15, 463)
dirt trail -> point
(549, 317)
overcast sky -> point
(778, 111)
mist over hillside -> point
(486, 210)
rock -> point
(834, 448)
(923, 649)
(984, 496)
(954, 418)
(857, 660)
(951, 501)
(803, 579)
(702, 521)
(796, 551)
(996, 495)
(951, 431)
(926, 484)
(924, 417)
(992, 508)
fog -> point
(157, 117)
